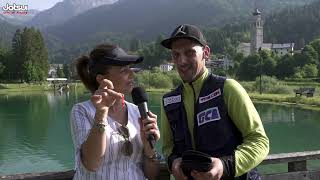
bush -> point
(281, 89)
(267, 84)
(159, 80)
(142, 79)
(248, 86)
(174, 77)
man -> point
(210, 114)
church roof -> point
(282, 46)
(245, 44)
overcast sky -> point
(32, 4)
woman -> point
(109, 137)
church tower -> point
(256, 32)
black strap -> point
(228, 163)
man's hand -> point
(177, 171)
(214, 174)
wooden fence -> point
(297, 169)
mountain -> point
(146, 19)
(65, 10)
(6, 32)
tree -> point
(2, 67)
(298, 73)
(316, 46)
(309, 56)
(154, 53)
(310, 70)
(29, 73)
(158, 80)
(249, 68)
(237, 60)
(66, 70)
(3, 59)
(268, 62)
(135, 44)
(285, 66)
(34, 56)
(269, 66)
(16, 63)
(60, 73)
(43, 63)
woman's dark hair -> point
(88, 70)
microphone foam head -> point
(139, 95)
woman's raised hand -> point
(104, 97)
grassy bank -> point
(309, 103)
(22, 87)
(289, 98)
(312, 102)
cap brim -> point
(167, 42)
(123, 60)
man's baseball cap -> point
(187, 31)
(118, 57)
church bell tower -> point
(256, 32)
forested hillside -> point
(299, 25)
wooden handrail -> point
(291, 157)
(296, 169)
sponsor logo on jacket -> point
(208, 115)
(171, 100)
(212, 95)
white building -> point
(224, 63)
(166, 67)
(257, 40)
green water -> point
(35, 135)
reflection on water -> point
(35, 134)
(290, 129)
(276, 114)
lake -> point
(35, 131)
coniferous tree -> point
(310, 56)
(2, 65)
(66, 70)
(43, 63)
(29, 55)
(16, 62)
(35, 56)
(60, 73)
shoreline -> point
(312, 103)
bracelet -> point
(100, 126)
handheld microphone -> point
(139, 98)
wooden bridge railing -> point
(297, 166)
(297, 169)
